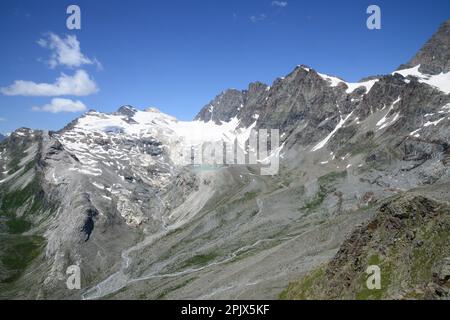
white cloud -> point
(281, 4)
(258, 18)
(80, 84)
(62, 105)
(65, 52)
(2, 119)
(42, 42)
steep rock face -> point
(223, 108)
(434, 57)
(234, 103)
(25, 206)
(127, 111)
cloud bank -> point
(58, 105)
(80, 84)
(258, 18)
(281, 4)
(65, 51)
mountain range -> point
(363, 180)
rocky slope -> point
(408, 239)
(434, 57)
(119, 195)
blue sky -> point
(177, 55)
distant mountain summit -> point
(434, 57)
(234, 103)
(316, 102)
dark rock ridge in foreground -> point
(408, 240)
